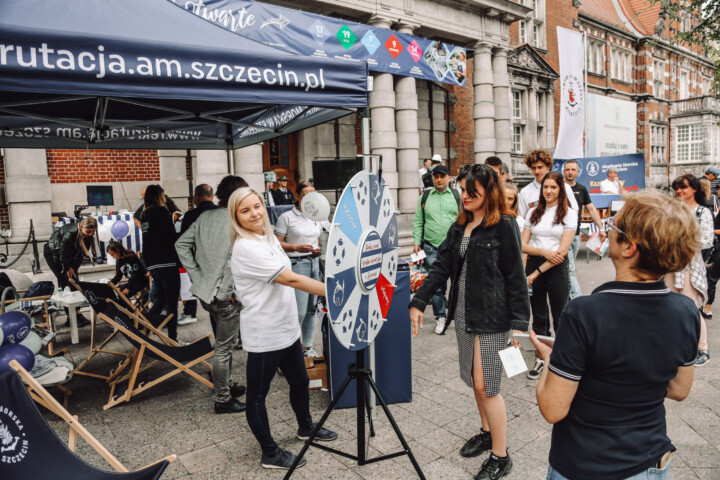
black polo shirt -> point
(583, 198)
(623, 344)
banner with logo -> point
(612, 126)
(313, 35)
(572, 95)
(593, 170)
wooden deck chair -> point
(182, 358)
(47, 320)
(138, 306)
(32, 450)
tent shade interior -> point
(146, 74)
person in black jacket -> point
(488, 297)
(65, 250)
(160, 257)
(127, 264)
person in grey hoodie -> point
(204, 251)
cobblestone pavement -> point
(177, 417)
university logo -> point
(13, 444)
(592, 168)
(573, 101)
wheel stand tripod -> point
(362, 375)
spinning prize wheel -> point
(361, 260)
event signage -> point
(572, 95)
(612, 126)
(313, 35)
(593, 170)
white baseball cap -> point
(437, 158)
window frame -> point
(691, 143)
(517, 138)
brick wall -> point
(81, 166)
(463, 138)
(4, 213)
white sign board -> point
(612, 126)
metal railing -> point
(31, 240)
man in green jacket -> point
(437, 209)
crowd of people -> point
(509, 256)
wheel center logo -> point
(13, 444)
(370, 260)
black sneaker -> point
(324, 435)
(476, 445)
(282, 459)
(494, 468)
(231, 406)
(536, 371)
(706, 315)
(237, 391)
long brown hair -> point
(494, 206)
(563, 203)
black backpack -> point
(40, 289)
(5, 282)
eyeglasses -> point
(611, 224)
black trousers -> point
(167, 288)
(57, 269)
(713, 275)
(261, 368)
(551, 286)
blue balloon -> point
(15, 327)
(120, 229)
(22, 354)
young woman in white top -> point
(692, 281)
(264, 282)
(547, 236)
(300, 238)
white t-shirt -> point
(269, 315)
(298, 230)
(521, 223)
(422, 172)
(546, 235)
(530, 195)
(610, 186)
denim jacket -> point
(496, 293)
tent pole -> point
(365, 131)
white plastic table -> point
(72, 302)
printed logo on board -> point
(13, 444)
(593, 168)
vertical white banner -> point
(572, 95)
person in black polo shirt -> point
(622, 350)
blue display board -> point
(384, 50)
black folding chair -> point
(31, 449)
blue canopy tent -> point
(146, 74)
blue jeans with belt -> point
(306, 303)
(438, 300)
(572, 260)
(651, 473)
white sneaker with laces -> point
(311, 353)
(441, 321)
(186, 319)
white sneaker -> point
(441, 321)
(186, 319)
(536, 371)
(311, 353)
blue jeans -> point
(306, 303)
(439, 302)
(572, 258)
(651, 473)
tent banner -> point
(307, 34)
(572, 96)
(593, 170)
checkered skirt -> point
(490, 343)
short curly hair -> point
(539, 156)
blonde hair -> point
(513, 188)
(706, 187)
(665, 231)
(237, 230)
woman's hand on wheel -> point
(416, 318)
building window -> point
(706, 85)
(621, 65)
(523, 31)
(689, 143)
(517, 139)
(684, 85)
(516, 104)
(536, 35)
(658, 144)
(658, 78)
(595, 56)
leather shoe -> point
(237, 391)
(231, 406)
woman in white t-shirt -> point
(300, 238)
(547, 236)
(264, 281)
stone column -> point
(383, 138)
(173, 173)
(248, 164)
(550, 120)
(501, 96)
(542, 120)
(408, 139)
(28, 194)
(532, 119)
(484, 107)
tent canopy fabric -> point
(146, 74)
